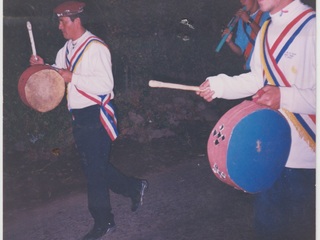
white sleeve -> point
(235, 87)
(243, 85)
(61, 58)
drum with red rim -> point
(41, 87)
(249, 146)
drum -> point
(41, 87)
(249, 146)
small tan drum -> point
(41, 87)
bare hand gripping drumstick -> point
(158, 84)
(34, 53)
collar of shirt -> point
(285, 15)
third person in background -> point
(250, 21)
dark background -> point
(147, 41)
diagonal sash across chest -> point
(73, 61)
(107, 114)
(270, 56)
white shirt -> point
(93, 73)
(298, 65)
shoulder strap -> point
(107, 114)
(76, 57)
(305, 124)
(252, 36)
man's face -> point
(67, 27)
(273, 6)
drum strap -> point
(252, 35)
(107, 114)
(305, 124)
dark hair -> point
(83, 17)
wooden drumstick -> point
(158, 84)
(34, 53)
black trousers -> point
(94, 146)
(286, 211)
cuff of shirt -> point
(216, 86)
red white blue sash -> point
(270, 56)
(107, 114)
(76, 57)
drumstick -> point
(34, 53)
(158, 84)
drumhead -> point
(41, 88)
(249, 147)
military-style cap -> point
(69, 8)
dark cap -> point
(69, 8)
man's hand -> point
(243, 14)
(268, 96)
(205, 91)
(36, 60)
(66, 74)
(227, 31)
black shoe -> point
(137, 200)
(98, 232)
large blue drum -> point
(249, 146)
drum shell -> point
(249, 146)
(41, 87)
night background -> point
(159, 128)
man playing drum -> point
(283, 69)
(84, 62)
